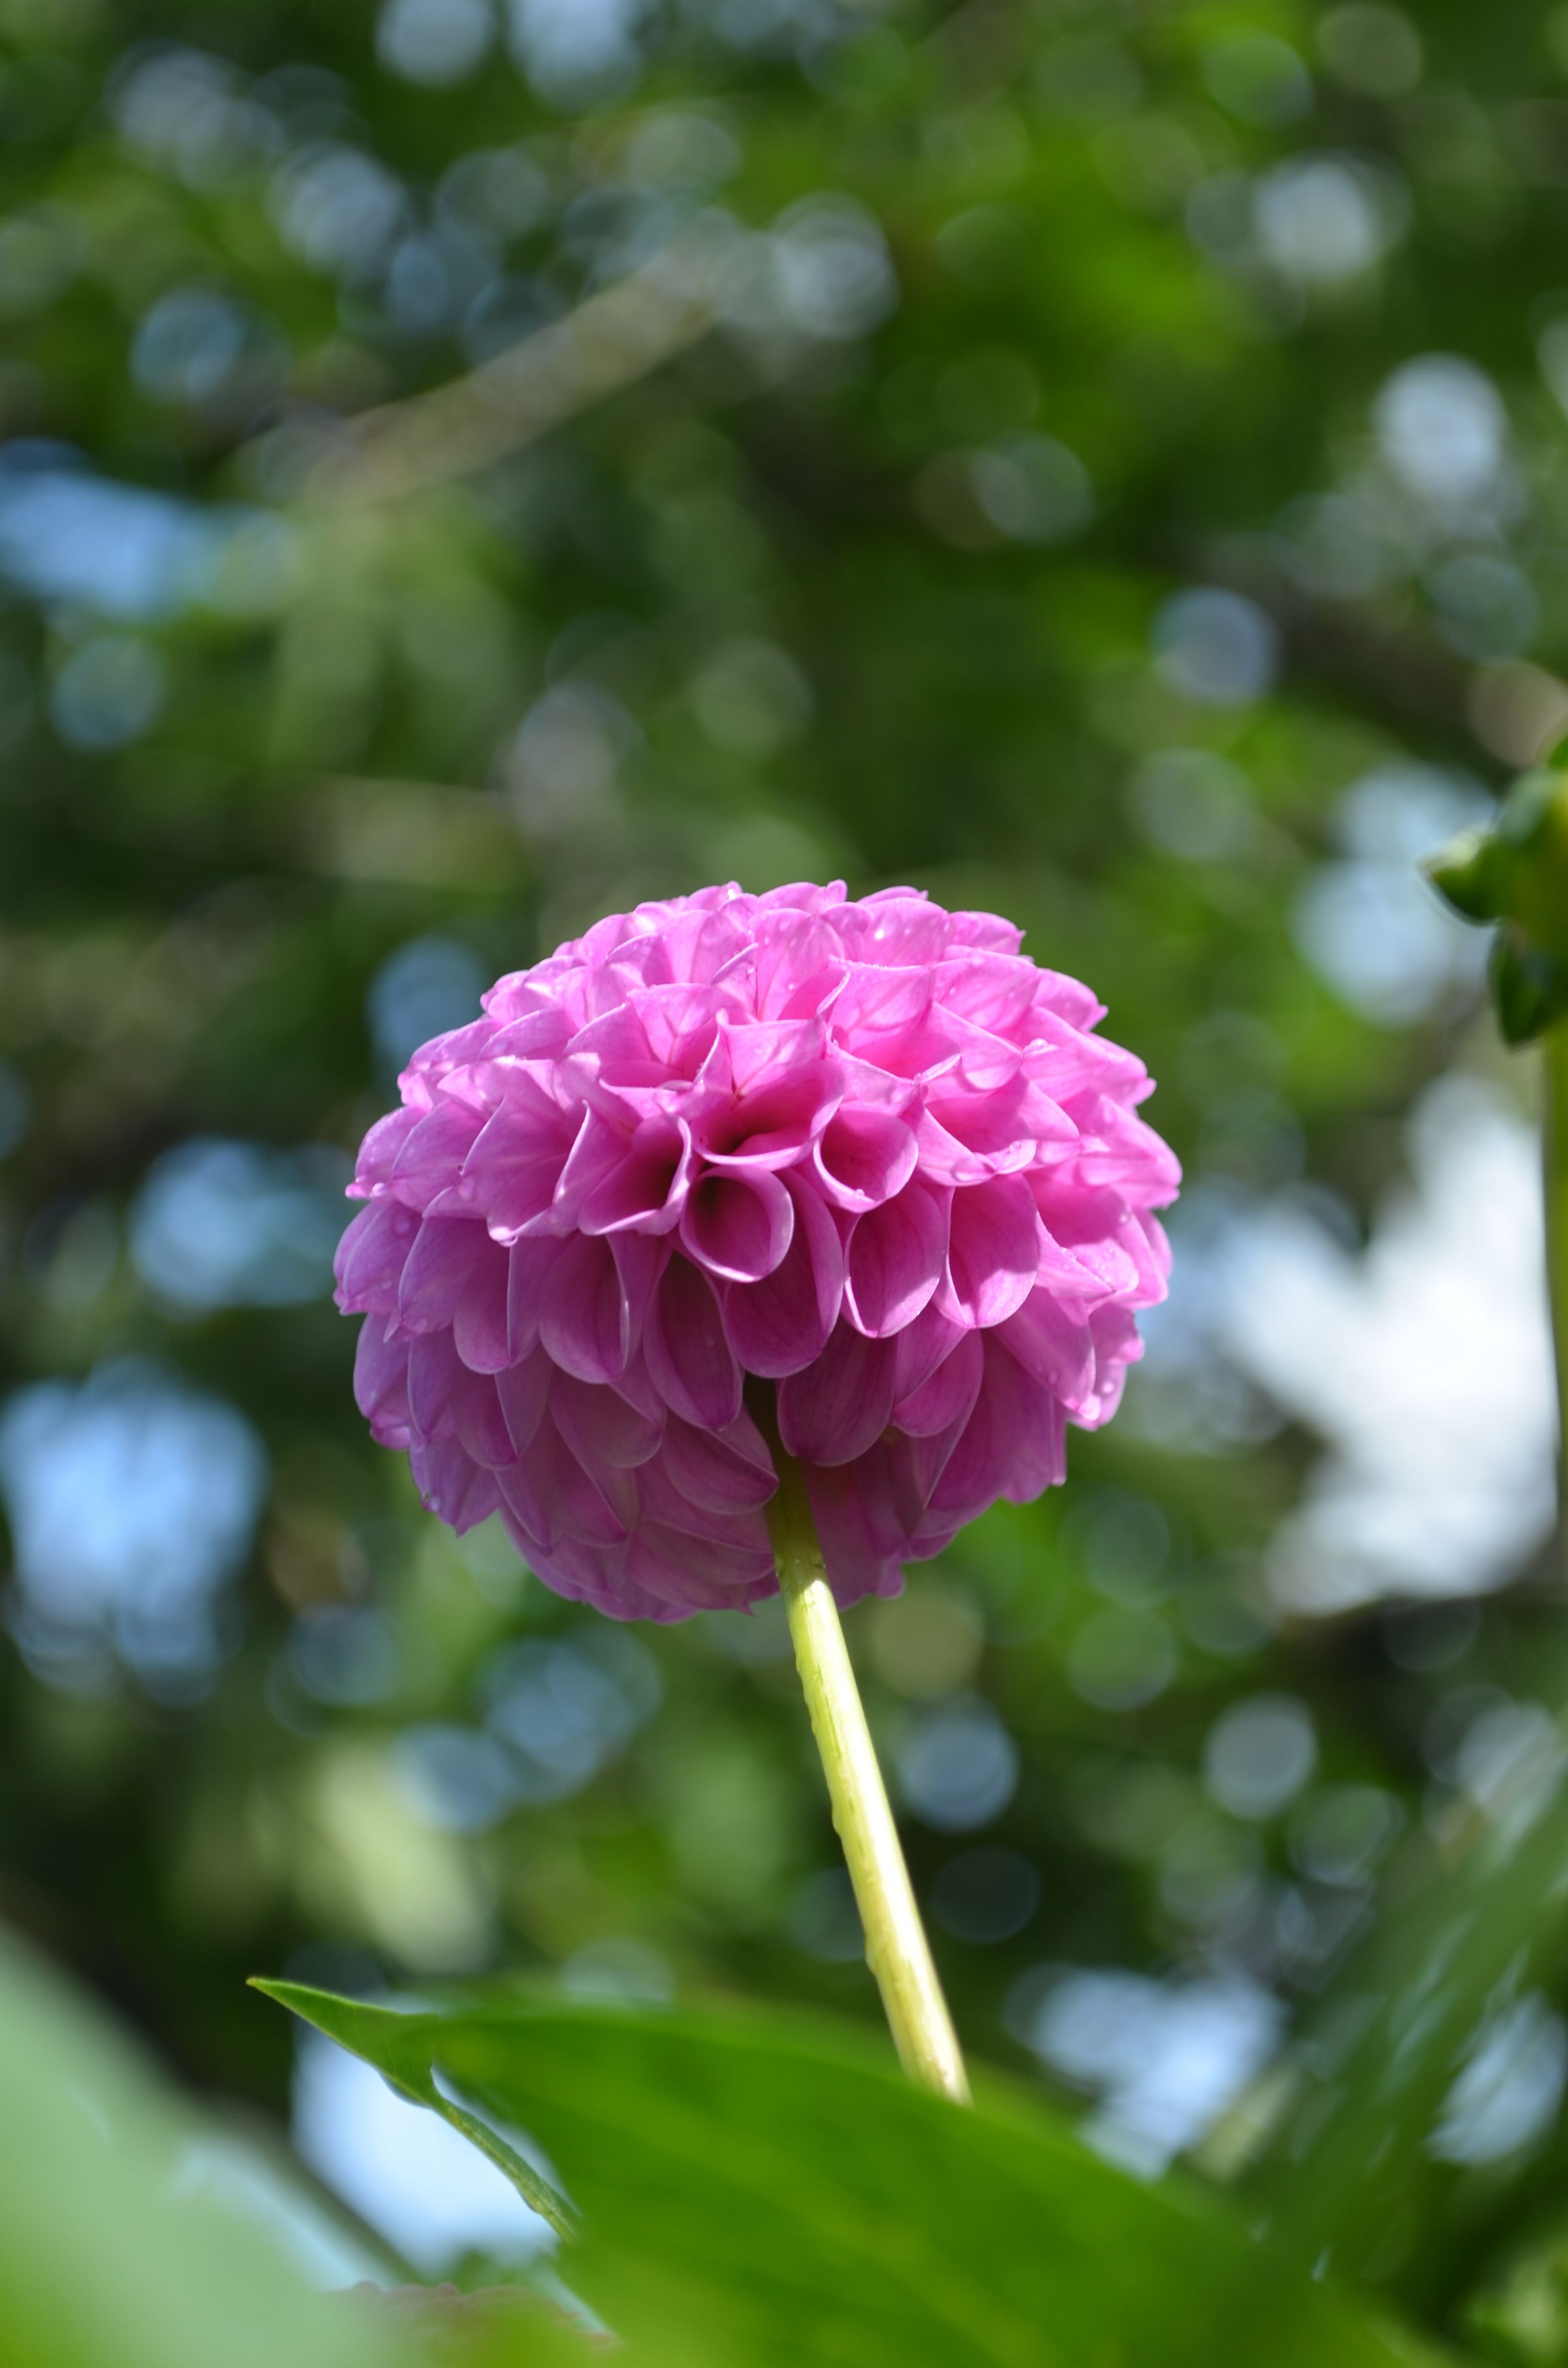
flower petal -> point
(689, 1357)
(737, 1224)
(599, 1426)
(864, 1157)
(371, 1258)
(895, 1259)
(778, 1325)
(993, 1251)
(832, 1411)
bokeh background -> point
(471, 464)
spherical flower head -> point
(858, 1166)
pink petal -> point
(636, 1386)
(879, 1005)
(446, 1253)
(923, 1346)
(987, 930)
(992, 1250)
(481, 1424)
(451, 1485)
(378, 1153)
(792, 966)
(947, 1397)
(513, 1166)
(854, 1520)
(481, 1334)
(662, 1498)
(778, 1325)
(381, 1383)
(586, 1320)
(434, 1376)
(529, 1265)
(721, 1472)
(599, 1426)
(1011, 1446)
(599, 1507)
(371, 1257)
(1051, 1339)
(864, 1157)
(430, 1160)
(647, 1186)
(523, 1391)
(692, 1574)
(688, 1355)
(738, 1223)
(894, 1259)
(832, 1411)
(774, 1124)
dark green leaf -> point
(1528, 987)
(1465, 873)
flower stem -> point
(896, 1947)
(1554, 1049)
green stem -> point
(896, 1947)
(1554, 1048)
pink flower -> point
(864, 1154)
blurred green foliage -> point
(1050, 453)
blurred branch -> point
(608, 342)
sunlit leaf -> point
(757, 2192)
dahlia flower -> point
(857, 1167)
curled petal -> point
(647, 1187)
(513, 1166)
(773, 1124)
(737, 1224)
(864, 1157)
(923, 1346)
(596, 1506)
(778, 1325)
(993, 1251)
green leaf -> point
(1465, 873)
(1530, 987)
(107, 2258)
(763, 2193)
(398, 2046)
